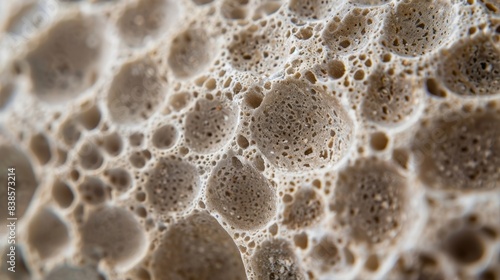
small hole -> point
(253, 99)
(434, 89)
(242, 141)
(300, 240)
(336, 69)
(372, 263)
(379, 141)
(359, 75)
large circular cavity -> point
(66, 61)
(172, 185)
(144, 20)
(259, 52)
(371, 197)
(311, 9)
(165, 136)
(47, 234)
(113, 234)
(136, 92)
(197, 248)
(241, 194)
(390, 99)
(326, 255)
(472, 67)
(300, 127)
(460, 152)
(210, 125)
(418, 27)
(305, 210)
(351, 33)
(275, 259)
(190, 52)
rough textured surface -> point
(250, 139)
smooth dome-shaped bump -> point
(210, 125)
(113, 234)
(67, 60)
(136, 92)
(275, 259)
(351, 33)
(146, 19)
(390, 99)
(197, 247)
(258, 51)
(25, 181)
(371, 197)
(165, 137)
(460, 152)
(301, 127)
(418, 27)
(305, 210)
(47, 234)
(172, 185)
(241, 195)
(66, 272)
(311, 9)
(191, 52)
(472, 67)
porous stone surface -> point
(250, 139)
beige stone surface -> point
(251, 139)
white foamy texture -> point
(251, 139)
